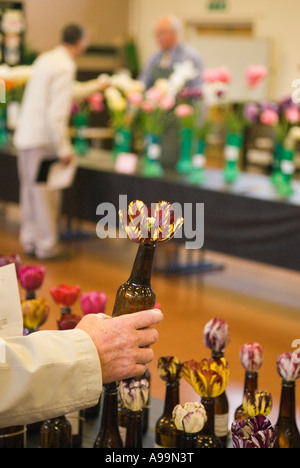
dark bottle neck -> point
(172, 397)
(142, 267)
(134, 430)
(209, 426)
(251, 381)
(287, 401)
(217, 354)
(110, 407)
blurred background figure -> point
(42, 133)
(168, 33)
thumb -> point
(144, 319)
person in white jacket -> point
(42, 133)
(50, 373)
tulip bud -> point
(31, 277)
(251, 356)
(169, 368)
(216, 334)
(287, 368)
(35, 313)
(93, 302)
(189, 417)
(259, 403)
(134, 393)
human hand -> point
(122, 342)
(66, 160)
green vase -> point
(4, 135)
(81, 145)
(152, 166)
(122, 141)
(276, 176)
(197, 174)
(184, 164)
(287, 168)
(232, 157)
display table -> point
(246, 219)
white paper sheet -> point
(11, 319)
(60, 176)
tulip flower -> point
(65, 294)
(31, 278)
(190, 417)
(68, 321)
(169, 368)
(251, 356)
(255, 74)
(96, 102)
(8, 259)
(216, 334)
(35, 313)
(256, 432)
(269, 117)
(259, 403)
(134, 393)
(93, 302)
(287, 368)
(209, 377)
(146, 225)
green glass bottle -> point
(109, 436)
(56, 433)
(166, 433)
(207, 437)
(135, 295)
(288, 433)
(251, 382)
(134, 429)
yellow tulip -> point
(35, 313)
(259, 403)
(209, 377)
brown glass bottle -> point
(56, 433)
(13, 437)
(135, 295)
(251, 381)
(207, 437)
(109, 436)
(134, 429)
(288, 433)
(166, 433)
(221, 410)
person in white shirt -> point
(50, 373)
(42, 133)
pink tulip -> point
(224, 75)
(96, 102)
(292, 115)
(167, 102)
(269, 117)
(255, 74)
(93, 302)
(210, 75)
(148, 107)
(135, 98)
(154, 94)
(184, 110)
(287, 368)
(251, 356)
(31, 277)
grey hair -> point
(176, 23)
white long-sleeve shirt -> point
(48, 374)
(46, 105)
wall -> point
(107, 20)
(277, 20)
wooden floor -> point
(259, 302)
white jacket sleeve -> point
(47, 374)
